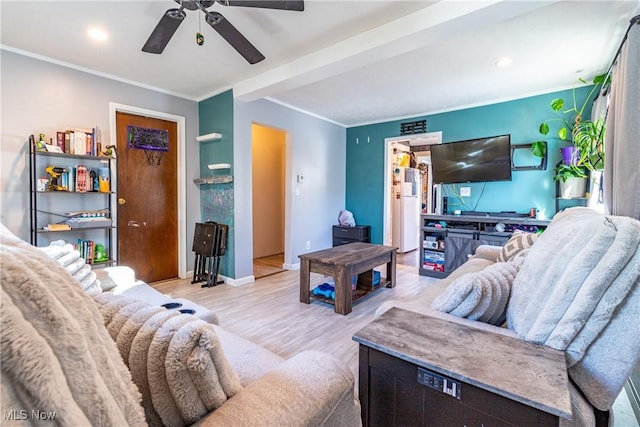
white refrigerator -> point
(406, 210)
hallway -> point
(268, 265)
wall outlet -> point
(465, 191)
(308, 244)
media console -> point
(448, 240)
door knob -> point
(121, 201)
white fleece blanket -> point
(574, 278)
(175, 359)
(579, 291)
(70, 259)
(57, 357)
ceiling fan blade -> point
(233, 37)
(163, 32)
(297, 5)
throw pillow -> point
(520, 241)
(120, 276)
(481, 296)
(176, 360)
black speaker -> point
(445, 205)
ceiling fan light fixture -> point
(212, 19)
(172, 18)
(98, 34)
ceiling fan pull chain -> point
(199, 36)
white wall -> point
(41, 97)
(316, 149)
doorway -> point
(147, 185)
(418, 144)
(268, 199)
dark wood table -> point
(343, 262)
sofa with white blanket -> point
(109, 359)
(119, 280)
(575, 288)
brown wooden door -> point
(147, 201)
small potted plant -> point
(585, 152)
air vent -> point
(411, 128)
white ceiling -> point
(348, 61)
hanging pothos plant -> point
(586, 135)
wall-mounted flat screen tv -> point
(473, 160)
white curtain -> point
(622, 143)
(596, 190)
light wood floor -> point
(268, 312)
(266, 266)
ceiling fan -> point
(172, 19)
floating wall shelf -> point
(542, 162)
(220, 179)
(209, 137)
(220, 166)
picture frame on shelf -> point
(53, 148)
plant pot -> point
(573, 188)
(569, 155)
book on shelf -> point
(82, 179)
(78, 141)
(97, 141)
(64, 180)
(60, 141)
(67, 143)
(86, 249)
(71, 179)
(58, 227)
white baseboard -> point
(295, 266)
(228, 280)
(239, 282)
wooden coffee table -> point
(343, 262)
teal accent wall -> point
(217, 200)
(519, 118)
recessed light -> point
(97, 34)
(503, 62)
